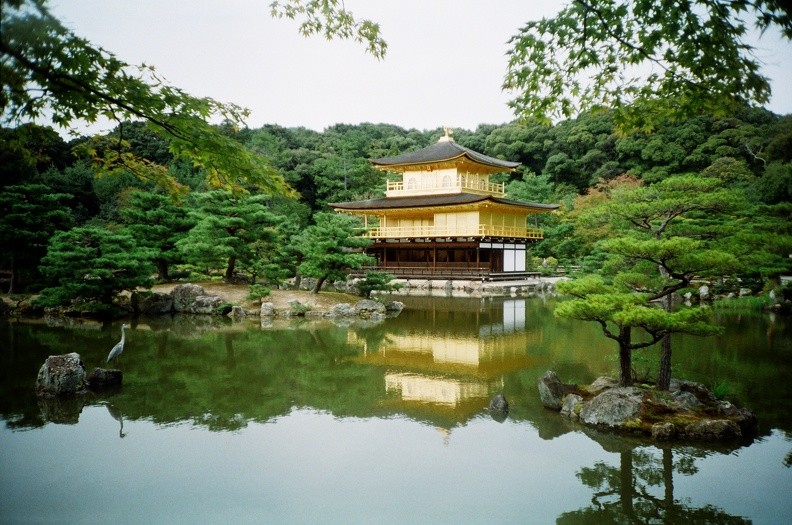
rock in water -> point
(499, 408)
(613, 407)
(103, 379)
(552, 390)
(61, 375)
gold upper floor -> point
(443, 181)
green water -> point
(314, 422)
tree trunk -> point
(13, 276)
(664, 374)
(229, 275)
(625, 356)
(319, 283)
(162, 270)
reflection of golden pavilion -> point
(427, 389)
(450, 372)
(495, 349)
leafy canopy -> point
(331, 19)
(647, 59)
(48, 71)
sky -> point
(445, 63)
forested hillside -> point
(93, 205)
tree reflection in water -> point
(631, 492)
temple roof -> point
(443, 151)
(434, 200)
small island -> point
(686, 411)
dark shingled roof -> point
(443, 151)
(433, 200)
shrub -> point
(257, 291)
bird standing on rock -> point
(119, 347)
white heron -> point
(119, 347)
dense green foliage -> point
(580, 163)
(86, 268)
(377, 281)
(646, 60)
(331, 247)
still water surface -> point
(313, 422)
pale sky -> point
(444, 66)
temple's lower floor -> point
(449, 259)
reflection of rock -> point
(104, 379)
(63, 410)
(687, 411)
(61, 375)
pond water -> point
(313, 422)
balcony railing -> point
(455, 185)
(482, 230)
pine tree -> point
(89, 266)
(331, 247)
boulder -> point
(701, 392)
(103, 379)
(743, 417)
(184, 296)
(571, 406)
(267, 310)
(499, 408)
(61, 375)
(394, 308)
(237, 312)
(343, 310)
(499, 403)
(602, 383)
(704, 292)
(685, 400)
(713, 430)
(663, 431)
(613, 408)
(154, 303)
(552, 390)
(206, 304)
(367, 308)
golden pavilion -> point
(444, 219)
